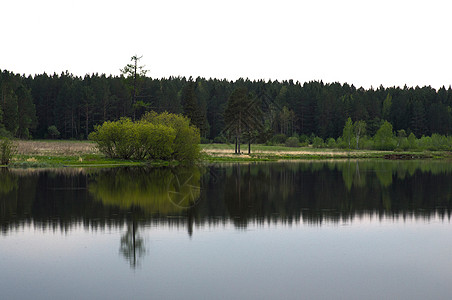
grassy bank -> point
(58, 153)
(84, 153)
(224, 152)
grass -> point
(63, 153)
(225, 152)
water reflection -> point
(307, 192)
(132, 246)
(161, 191)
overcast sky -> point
(365, 43)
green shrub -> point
(140, 140)
(186, 143)
(331, 143)
(7, 150)
(153, 141)
(115, 138)
(318, 142)
(384, 138)
(205, 140)
(5, 133)
(412, 143)
(292, 142)
(304, 139)
(425, 143)
(279, 138)
(220, 140)
(53, 132)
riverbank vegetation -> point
(155, 137)
(64, 106)
(156, 120)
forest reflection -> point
(285, 192)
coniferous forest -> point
(68, 107)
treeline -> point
(68, 107)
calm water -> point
(292, 230)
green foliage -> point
(360, 129)
(7, 150)
(347, 133)
(140, 140)
(53, 132)
(331, 143)
(186, 143)
(387, 104)
(160, 191)
(220, 140)
(384, 138)
(279, 138)
(205, 140)
(292, 142)
(412, 145)
(29, 105)
(318, 142)
(5, 133)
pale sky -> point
(365, 43)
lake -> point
(285, 230)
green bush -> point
(115, 139)
(317, 142)
(5, 133)
(7, 150)
(384, 138)
(220, 140)
(205, 140)
(186, 144)
(153, 141)
(279, 138)
(53, 132)
(292, 142)
(163, 137)
(331, 143)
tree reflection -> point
(160, 191)
(8, 181)
(308, 192)
(132, 246)
(147, 193)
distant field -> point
(225, 149)
(56, 147)
(65, 152)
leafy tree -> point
(360, 129)
(383, 139)
(347, 133)
(318, 142)
(401, 136)
(292, 142)
(412, 141)
(7, 150)
(53, 132)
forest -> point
(65, 106)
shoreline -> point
(55, 154)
